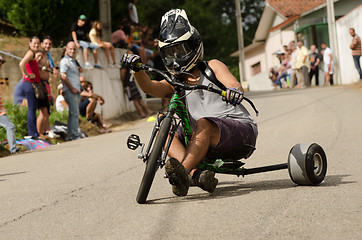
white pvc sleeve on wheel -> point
(296, 163)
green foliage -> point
(43, 17)
(58, 116)
(18, 115)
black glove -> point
(234, 96)
(131, 61)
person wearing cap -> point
(79, 34)
(6, 123)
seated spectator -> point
(79, 34)
(119, 37)
(133, 94)
(88, 104)
(6, 123)
(273, 76)
(60, 103)
(95, 36)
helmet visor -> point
(173, 53)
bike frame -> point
(177, 107)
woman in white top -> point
(95, 36)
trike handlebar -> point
(193, 87)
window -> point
(255, 68)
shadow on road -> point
(239, 188)
(9, 174)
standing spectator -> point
(314, 59)
(95, 36)
(133, 94)
(79, 34)
(356, 51)
(302, 64)
(6, 123)
(19, 94)
(69, 74)
(328, 64)
(294, 80)
(30, 70)
(42, 121)
(132, 11)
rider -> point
(219, 129)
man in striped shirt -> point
(356, 51)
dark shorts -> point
(83, 107)
(237, 139)
(44, 103)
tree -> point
(43, 17)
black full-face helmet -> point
(180, 44)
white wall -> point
(353, 19)
(107, 83)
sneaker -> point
(112, 65)
(205, 180)
(178, 177)
(52, 134)
(88, 66)
(97, 66)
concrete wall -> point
(353, 19)
(106, 81)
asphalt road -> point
(87, 189)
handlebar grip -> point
(223, 93)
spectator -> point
(273, 76)
(282, 71)
(69, 74)
(6, 123)
(328, 64)
(30, 70)
(95, 36)
(79, 34)
(132, 12)
(19, 94)
(60, 103)
(356, 51)
(42, 121)
(302, 64)
(89, 103)
(294, 80)
(133, 94)
(314, 59)
(119, 37)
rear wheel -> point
(153, 161)
(307, 164)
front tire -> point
(152, 163)
(307, 164)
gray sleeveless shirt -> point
(202, 103)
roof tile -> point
(289, 8)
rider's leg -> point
(177, 149)
(206, 135)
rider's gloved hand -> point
(131, 61)
(234, 96)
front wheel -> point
(152, 163)
(307, 164)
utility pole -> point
(239, 21)
(333, 41)
(105, 18)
